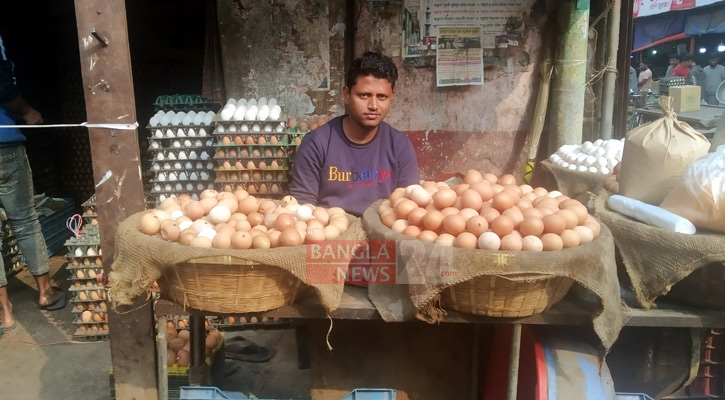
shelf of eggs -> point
(84, 263)
(12, 258)
(181, 153)
(252, 147)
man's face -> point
(368, 100)
(642, 67)
(713, 62)
(674, 62)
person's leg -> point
(16, 196)
(6, 307)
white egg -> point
(170, 134)
(227, 113)
(188, 165)
(204, 155)
(182, 155)
(78, 252)
(200, 187)
(231, 101)
(303, 213)
(172, 156)
(195, 197)
(600, 152)
(178, 187)
(176, 143)
(161, 177)
(183, 176)
(611, 163)
(158, 134)
(180, 133)
(154, 121)
(176, 214)
(160, 157)
(582, 168)
(155, 167)
(165, 120)
(272, 102)
(91, 251)
(192, 155)
(564, 164)
(244, 128)
(155, 145)
(256, 128)
(210, 165)
(554, 194)
(210, 142)
(274, 115)
(187, 143)
(268, 128)
(598, 142)
(239, 113)
(177, 165)
(202, 132)
(204, 175)
(168, 187)
(157, 187)
(162, 198)
(176, 120)
(220, 129)
(279, 128)
(187, 120)
(589, 161)
(594, 170)
(601, 162)
(167, 166)
(263, 113)
(580, 158)
(242, 102)
(208, 119)
(251, 114)
(262, 102)
(193, 176)
(604, 170)
(191, 133)
(185, 224)
(251, 102)
(198, 143)
(189, 187)
(232, 128)
(198, 119)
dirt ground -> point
(40, 360)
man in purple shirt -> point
(356, 159)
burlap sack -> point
(655, 154)
(424, 270)
(655, 259)
(140, 260)
(573, 183)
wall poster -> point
(459, 59)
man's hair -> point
(714, 56)
(676, 57)
(645, 63)
(688, 57)
(375, 64)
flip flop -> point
(8, 329)
(58, 304)
(241, 349)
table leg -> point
(198, 373)
(514, 362)
(303, 351)
(161, 355)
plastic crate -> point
(53, 227)
(633, 396)
(208, 392)
(371, 394)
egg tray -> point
(175, 192)
(198, 179)
(217, 120)
(256, 182)
(167, 149)
(185, 128)
(192, 169)
(76, 300)
(257, 185)
(85, 240)
(76, 310)
(91, 202)
(90, 335)
(279, 168)
(79, 321)
(187, 158)
(76, 268)
(282, 139)
(86, 275)
(70, 257)
(94, 286)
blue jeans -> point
(16, 197)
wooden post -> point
(109, 96)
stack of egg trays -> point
(12, 258)
(90, 214)
(181, 160)
(83, 263)
(253, 155)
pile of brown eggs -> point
(490, 213)
(225, 220)
(178, 346)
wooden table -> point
(704, 119)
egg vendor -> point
(356, 159)
(16, 194)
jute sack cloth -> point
(655, 259)
(140, 260)
(423, 272)
(573, 183)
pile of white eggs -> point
(172, 118)
(599, 157)
(251, 110)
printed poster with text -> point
(459, 59)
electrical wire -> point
(30, 342)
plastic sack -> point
(656, 154)
(700, 194)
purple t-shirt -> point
(332, 171)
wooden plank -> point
(109, 97)
(355, 305)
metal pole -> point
(570, 74)
(513, 384)
(161, 356)
(610, 75)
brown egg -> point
(570, 238)
(471, 198)
(468, 213)
(449, 211)
(428, 236)
(150, 224)
(490, 214)
(507, 179)
(183, 358)
(472, 176)
(554, 223)
(515, 214)
(398, 193)
(445, 239)
(248, 205)
(466, 240)
(241, 240)
(511, 242)
(412, 231)
(315, 234)
(186, 238)
(503, 201)
(200, 224)
(502, 226)
(273, 235)
(490, 177)
(404, 207)
(540, 192)
(524, 203)
(585, 234)
(444, 198)
(170, 231)
(222, 241)
(581, 212)
(261, 241)
(433, 220)
(571, 219)
(477, 225)
(290, 237)
(284, 221)
(331, 232)
(208, 203)
(532, 243)
(531, 226)
(171, 201)
(416, 216)
(240, 194)
(460, 188)
(484, 189)
(454, 224)
(552, 242)
(399, 225)
(201, 242)
(593, 224)
(321, 214)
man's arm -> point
(12, 100)
(408, 173)
(306, 172)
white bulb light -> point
(703, 50)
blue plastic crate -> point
(208, 393)
(53, 227)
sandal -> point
(58, 303)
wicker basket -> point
(705, 288)
(496, 296)
(228, 285)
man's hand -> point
(32, 117)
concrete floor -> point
(39, 359)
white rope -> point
(121, 127)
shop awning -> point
(709, 22)
(664, 40)
(655, 30)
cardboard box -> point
(686, 98)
